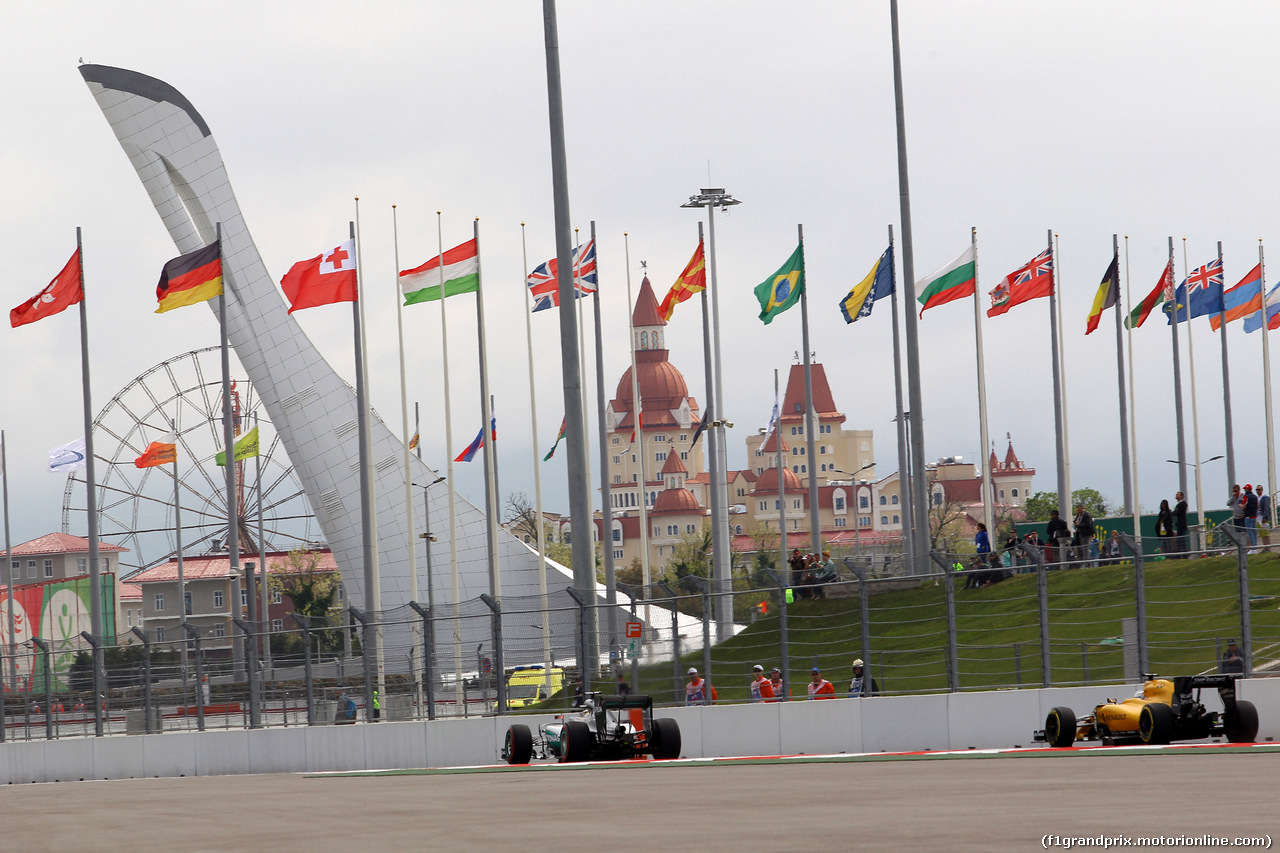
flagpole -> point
(537, 468)
(716, 497)
(8, 572)
(1062, 367)
(91, 505)
(1133, 410)
(1125, 471)
(366, 496)
(636, 417)
(263, 592)
(177, 532)
(988, 508)
(1266, 390)
(811, 448)
(486, 443)
(229, 440)
(904, 479)
(373, 597)
(783, 569)
(1059, 446)
(1177, 391)
(1195, 417)
(459, 698)
(582, 367)
(1226, 384)
(415, 671)
(606, 504)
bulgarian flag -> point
(1162, 293)
(456, 271)
(692, 280)
(956, 280)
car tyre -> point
(1241, 726)
(1060, 728)
(576, 741)
(1155, 723)
(518, 747)
(664, 739)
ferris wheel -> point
(136, 505)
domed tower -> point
(669, 416)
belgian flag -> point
(191, 278)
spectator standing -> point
(1114, 549)
(861, 684)
(780, 691)
(797, 564)
(1236, 502)
(982, 541)
(697, 691)
(623, 688)
(1056, 534)
(1164, 528)
(819, 687)
(1012, 557)
(1264, 506)
(1180, 523)
(1251, 515)
(761, 687)
(1233, 658)
(1085, 530)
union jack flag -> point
(542, 281)
(1206, 276)
(1041, 265)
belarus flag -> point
(328, 277)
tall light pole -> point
(711, 198)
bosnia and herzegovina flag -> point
(1108, 294)
(782, 289)
(162, 451)
(190, 278)
(877, 285)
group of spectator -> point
(1246, 507)
(773, 689)
(810, 571)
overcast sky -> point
(1144, 119)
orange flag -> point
(162, 451)
(692, 280)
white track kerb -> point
(944, 721)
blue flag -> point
(1200, 293)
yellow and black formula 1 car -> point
(1164, 710)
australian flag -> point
(1199, 294)
(542, 281)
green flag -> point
(246, 447)
(782, 289)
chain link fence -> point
(1025, 616)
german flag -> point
(190, 278)
(692, 280)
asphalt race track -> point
(984, 802)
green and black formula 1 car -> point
(608, 728)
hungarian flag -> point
(327, 278)
(1162, 292)
(1028, 282)
(474, 447)
(559, 437)
(692, 280)
(782, 290)
(65, 290)
(1108, 295)
(956, 280)
(456, 271)
(246, 447)
(544, 286)
(1242, 300)
(190, 278)
(162, 451)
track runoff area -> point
(1188, 795)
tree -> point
(948, 518)
(1038, 505)
(313, 593)
(1092, 500)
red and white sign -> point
(634, 629)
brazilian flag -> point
(782, 289)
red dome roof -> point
(675, 500)
(673, 465)
(767, 484)
(662, 387)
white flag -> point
(773, 419)
(67, 458)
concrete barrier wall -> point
(984, 720)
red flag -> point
(327, 278)
(1030, 282)
(60, 294)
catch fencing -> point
(1026, 616)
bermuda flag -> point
(474, 447)
(327, 278)
(58, 295)
(542, 281)
(1028, 282)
